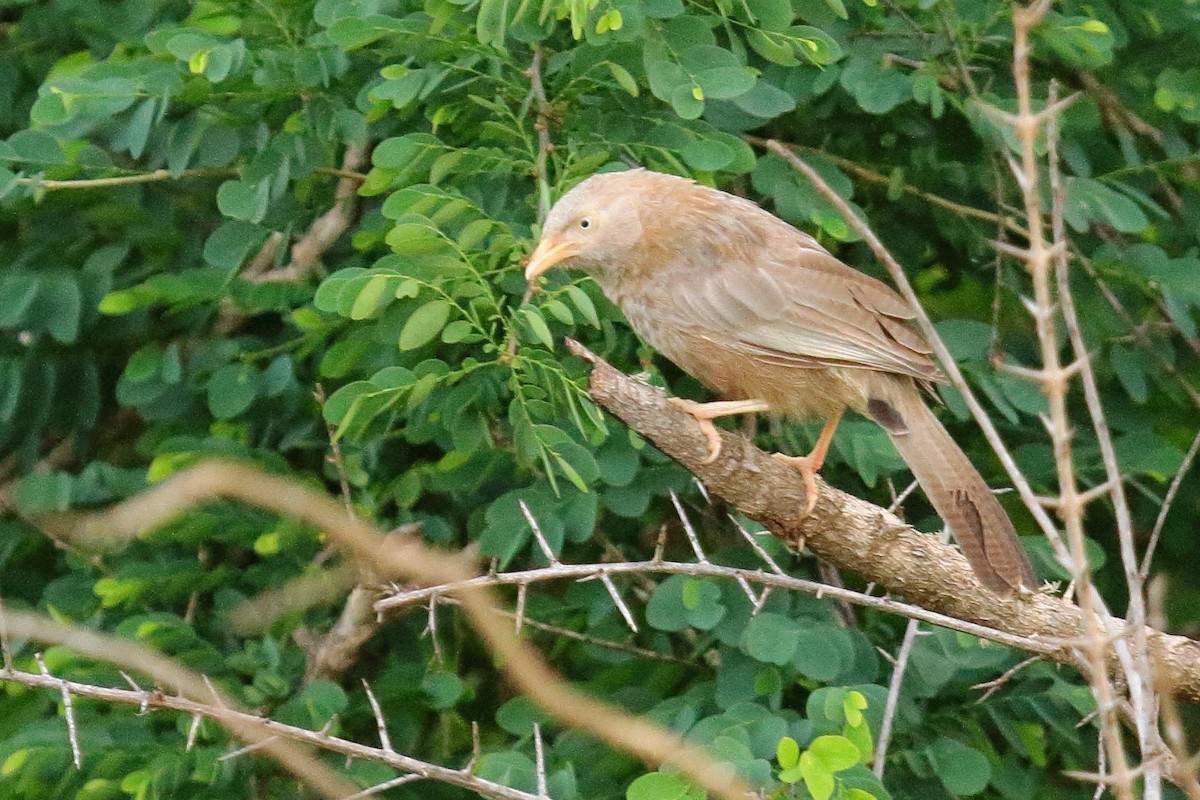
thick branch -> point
(851, 533)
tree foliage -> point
(159, 160)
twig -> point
(688, 529)
(151, 700)
(547, 551)
(778, 581)
(1168, 499)
(893, 696)
(994, 685)
(878, 178)
(542, 125)
(411, 559)
(157, 175)
(577, 636)
(390, 784)
(68, 712)
(539, 755)
(607, 580)
(1040, 260)
(385, 741)
(335, 453)
(759, 550)
(165, 671)
(193, 729)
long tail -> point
(955, 488)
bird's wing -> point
(799, 306)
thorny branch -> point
(707, 569)
(154, 699)
(409, 559)
(853, 534)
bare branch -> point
(166, 672)
(68, 712)
(859, 536)
(410, 559)
(537, 533)
(900, 664)
(274, 732)
(385, 741)
(768, 581)
(1168, 499)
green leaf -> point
(17, 294)
(681, 602)
(815, 45)
(538, 327)
(232, 389)
(765, 101)
(660, 786)
(852, 707)
(373, 297)
(233, 240)
(518, 716)
(424, 324)
(623, 78)
(817, 778)
(1091, 201)
(771, 638)
(787, 753)
(584, 304)
(835, 753)
(60, 305)
(243, 200)
(963, 770)
(876, 89)
(443, 689)
(685, 102)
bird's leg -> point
(810, 464)
(705, 413)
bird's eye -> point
(585, 223)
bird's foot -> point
(808, 467)
(696, 411)
(705, 413)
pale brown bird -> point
(768, 319)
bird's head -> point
(595, 226)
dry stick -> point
(1138, 669)
(412, 560)
(68, 712)
(893, 696)
(147, 700)
(110, 649)
(576, 635)
(1054, 384)
(778, 580)
(939, 347)
(871, 176)
(157, 175)
(860, 536)
(541, 174)
(1168, 500)
(542, 125)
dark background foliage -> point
(150, 151)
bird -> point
(768, 319)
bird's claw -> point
(808, 472)
(706, 427)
